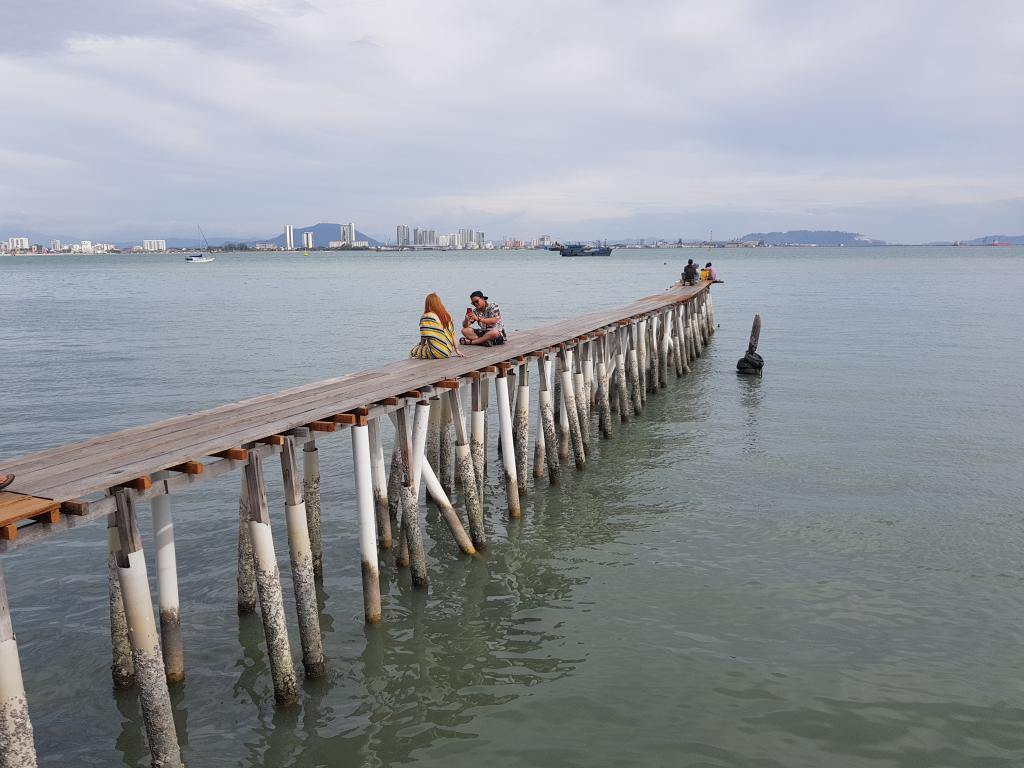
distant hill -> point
(812, 237)
(322, 235)
(990, 239)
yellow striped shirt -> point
(436, 341)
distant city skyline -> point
(593, 120)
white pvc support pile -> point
(149, 667)
(563, 391)
(478, 449)
(246, 576)
(640, 331)
(122, 669)
(379, 479)
(17, 743)
(311, 497)
(167, 586)
(275, 626)
(569, 398)
(436, 491)
(522, 433)
(367, 523)
(508, 458)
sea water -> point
(820, 567)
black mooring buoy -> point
(752, 363)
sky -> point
(577, 118)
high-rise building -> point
(18, 243)
(348, 233)
(307, 240)
(154, 245)
(289, 237)
(86, 246)
(402, 234)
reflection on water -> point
(751, 392)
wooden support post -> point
(395, 479)
(654, 354)
(268, 584)
(682, 364)
(588, 375)
(444, 505)
(579, 388)
(17, 743)
(547, 419)
(539, 452)
(633, 370)
(711, 313)
(625, 407)
(478, 437)
(698, 339)
(369, 514)
(664, 341)
(379, 480)
(300, 552)
(142, 634)
(467, 472)
(311, 498)
(704, 299)
(412, 447)
(639, 331)
(508, 458)
(246, 576)
(510, 385)
(446, 450)
(521, 430)
(579, 452)
(122, 670)
(433, 444)
(561, 397)
(167, 586)
(604, 411)
(485, 389)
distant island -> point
(824, 237)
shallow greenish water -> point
(816, 568)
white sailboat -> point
(200, 258)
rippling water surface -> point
(816, 568)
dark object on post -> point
(752, 363)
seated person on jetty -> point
(437, 332)
(708, 273)
(690, 273)
(489, 330)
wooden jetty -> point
(588, 367)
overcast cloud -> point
(600, 118)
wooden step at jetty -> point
(16, 508)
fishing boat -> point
(200, 258)
(581, 250)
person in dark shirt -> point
(690, 273)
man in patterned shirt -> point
(489, 329)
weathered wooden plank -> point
(14, 508)
(142, 445)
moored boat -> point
(581, 250)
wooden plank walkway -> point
(76, 470)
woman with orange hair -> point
(437, 332)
